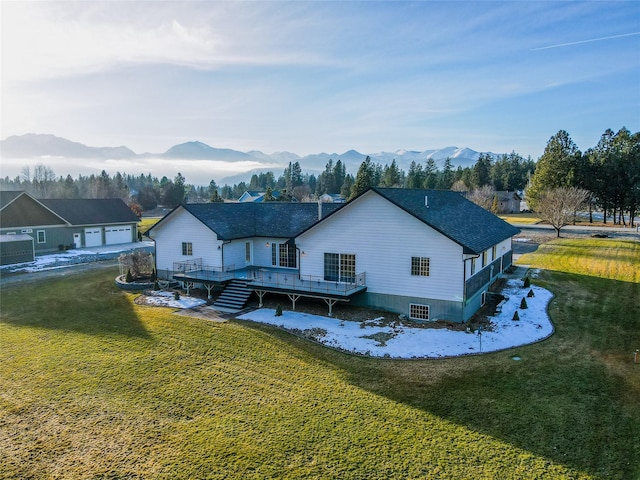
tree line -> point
(608, 174)
(146, 192)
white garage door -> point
(92, 237)
(120, 234)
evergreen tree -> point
(556, 167)
(481, 175)
(345, 190)
(268, 196)
(364, 178)
(446, 178)
(391, 175)
(215, 197)
(415, 177)
(431, 174)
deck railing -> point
(307, 283)
(204, 272)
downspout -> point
(222, 254)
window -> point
(287, 255)
(187, 248)
(494, 252)
(247, 252)
(340, 267)
(418, 312)
(42, 238)
(484, 259)
(283, 255)
(473, 265)
(420, 266)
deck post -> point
(209, 287)
(293, 297)
(330, 302)
(187, 286)
(260, 293)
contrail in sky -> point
(585, 41)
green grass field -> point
(146, 223)
(94, 386)
(521, 218)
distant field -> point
(522, 218)
(93, 385)
(146, 223)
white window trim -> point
(421, 306)
(44, 236)
(420, 266)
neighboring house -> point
(508, 202)
(255, 196)
(59, 224)
(16, 249)
(332, 198)
(425, 254)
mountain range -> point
(52, 149)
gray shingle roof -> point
(243, 220)
(451, 214)
(8, 196)
(91, 211)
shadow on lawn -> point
(87, 303)
(572, 399)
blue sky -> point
(311, 77)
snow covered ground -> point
(401, 341)
(167, 299)
(74, 257)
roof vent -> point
(426, 201)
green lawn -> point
(146, 223)
(95, 386)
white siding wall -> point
(384, 238)
(502, 248)
(262, 253)
(180, 227)
(234, 252)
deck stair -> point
(234, 296)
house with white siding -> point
(426, 254)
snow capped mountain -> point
(49, 148)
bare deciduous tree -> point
(558, 206)
(483, 196)
(139, 263)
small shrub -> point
(129, 277)
(530, 294)
(278, 311)
(527, 282)
(516, 317)
(176, 295)
(156, 285)
(523, 303)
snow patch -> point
(403, 341)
